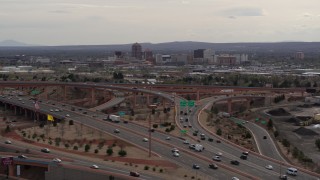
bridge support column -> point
(163, 102)
(148, 99)
(45, 93)
(248, 101)
(229, 106)
(11, 170)
(198, 96)
(64, 93)
(134, 100)
(93, 95)
(25, 113)
(15, 110)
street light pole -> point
(152, 107)
(149, 136)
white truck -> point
(198, 147)
(114, 118)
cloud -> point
(243, 11)
(307, 15)
(60, 12)
(185, 2)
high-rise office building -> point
(136, 51)
(299, 55)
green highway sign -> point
(183, 103)
(183, 131)
(191, 103)
(121, 113)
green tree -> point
(7, 129)
(248, 135)
(270, 124)
(122, 153)
(285, 143)
(109, 151)
(86, 147)
(70, 122)
(219, 132)
(317, 142)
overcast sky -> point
(75, 22)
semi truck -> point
(114, 118)
(198, 147)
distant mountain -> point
(13, 48)
(12, 43)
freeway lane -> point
(244, 166)
(108, 127)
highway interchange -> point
(253, 168)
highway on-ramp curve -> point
(233, 151)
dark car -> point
(195, 134)
(186, 119)
(134, 174)
(244, 157)
(192, 146)
(22, 156)
(126, 122)
(264, 137)
(151, 130)
(213, 166)
(210, 139)
(235, 162)
(195, 166)
(218, 141)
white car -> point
(94, 166)
(219, 154)
(57, 160)
(51, 110)
(8, 142)
(168, 138)
(67, 115)
(176, 154)
(235, 178)
(216, 158)
(269, 167)
(186, 142)
(145, 139)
